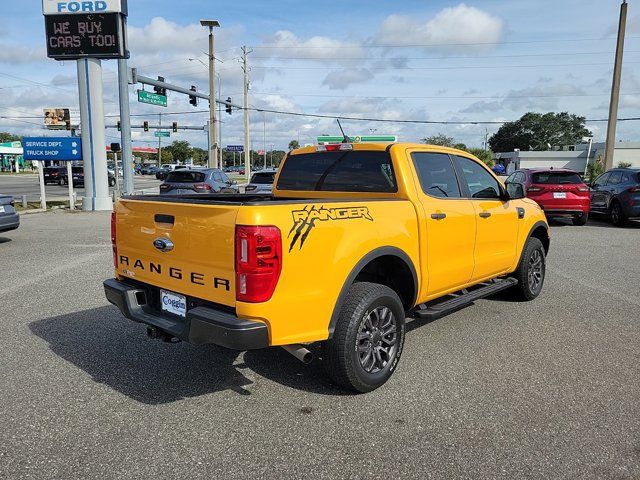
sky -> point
(429, 60)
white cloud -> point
(341, 80)
(455, 28)
(15, 54)
(285, 44)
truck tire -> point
(368, 338)
(531, 271)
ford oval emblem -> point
(163, 244)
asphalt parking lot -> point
(548, 389)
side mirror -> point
(515, 191)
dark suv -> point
(78, 177)
(617, 193)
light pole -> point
(213, 147)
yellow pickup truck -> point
(355, 239)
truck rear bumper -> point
(202, 325)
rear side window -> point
(556, 178)
(185, 176)
(341, 171)
(263, 178)
(436, 173)
(615, 178)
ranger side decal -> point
(304, 220)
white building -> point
(573, 157)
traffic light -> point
(160, 90)
(175, 127)
(228, 108)
(145, 125)
(119, 126)
(193, 100)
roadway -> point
(26, 184)
(547, 389)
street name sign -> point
(235, 148)
(59, 7)
(85, 35)
(52, 148)
(162, 133)
(152, 98)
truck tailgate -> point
(182, 247)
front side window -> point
(601, 180)
(480, 183)
(436, 173)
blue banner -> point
(235, 148)
(52, 148)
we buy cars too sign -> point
(85, 29)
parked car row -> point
(58, 176)
(563, 193)
(201, 180)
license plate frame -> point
(559, 195)
(173, 303)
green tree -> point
(535, 131)
(200, 155)
(293, 144)
(595, 169)
(6, 137)
(624, 165)
(180, 150)
(443, 140)
(440, 139)
(485, 155)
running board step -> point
(437, 309)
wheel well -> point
(393, 272)
(541, 234)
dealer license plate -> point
(1, 209)
(559, 194)
(173, 303)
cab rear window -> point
(555, 178)
(185, 177)
(341, 171)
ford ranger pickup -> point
(355, 239)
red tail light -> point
(634, 190)
(113, 240)
(258, 262)
(202, 187)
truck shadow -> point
(4, 240)
(116, 352)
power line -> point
(457, 67)
(422, 45)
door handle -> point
(485, 215)
(438, 216)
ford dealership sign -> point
(59, 7)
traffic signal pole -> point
(125, 127)
(247, 142)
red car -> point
(560, 193)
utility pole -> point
(213, 147)
(247, 142)
(220, 123)
(264, 137)
(615, 90)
